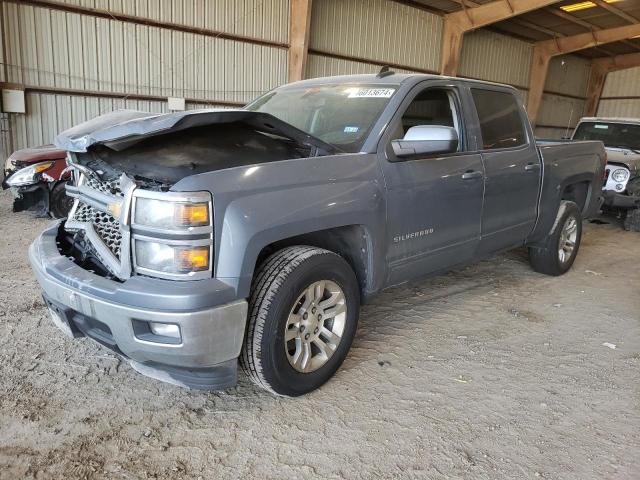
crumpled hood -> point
(120, 129)
(624, 157)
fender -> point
(258, 205)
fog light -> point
(165, 329)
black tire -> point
(59, 202)
(546, 259)
(632, 220)
(277, 285)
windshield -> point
(621, 135)
(341, 115)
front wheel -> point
(559, 252)
(303, 315)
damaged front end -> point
(126, 219)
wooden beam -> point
(299, 28)
(468, 19)
(619, 62)
(545, 50)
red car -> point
(37, 179)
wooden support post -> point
(299, 28)
(452, 35)
(538, 77)
(597, 76)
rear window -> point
(500, 122)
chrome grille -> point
(112, 187)
(106, 226)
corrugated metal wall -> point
(621, 94)
(49, 50)
(564, 98)
(494, 57)
(377, 30)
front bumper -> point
(211, 321)
(620, 200)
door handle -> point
(469, 175)
(531, 166)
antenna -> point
(385, 71)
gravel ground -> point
(493, 371)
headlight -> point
(28, 175)
(172, 234)
(168, 214)
(620, 175)
(171, 259)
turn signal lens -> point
(41, 167)
(191, 214)
(192, 259)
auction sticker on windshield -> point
(371, 92)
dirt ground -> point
(493, 371)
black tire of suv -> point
(276, 286)
(545, 259)
(59, 203)
(632, 220)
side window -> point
(432, 106)
(500, 122)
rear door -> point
(434, 203)
(512, 168)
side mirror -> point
(426, 140)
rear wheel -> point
(559, 252)
(59, 203)
(303, 315)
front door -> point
(434, 203)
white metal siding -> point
(568, 75)
(497, 58)
(558, 111)
(623, 83)
(48, 48)
(619, 108)
(378, 30)
(262, 19)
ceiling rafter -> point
(457, 23)
(590, 26)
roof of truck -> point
(389, 79)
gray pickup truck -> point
(203, 239)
